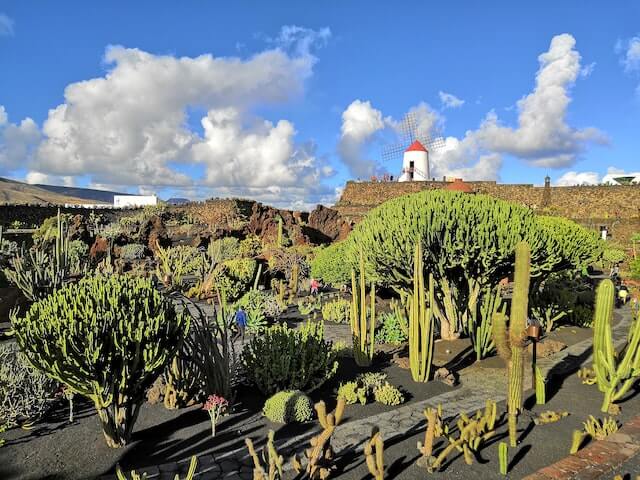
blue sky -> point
(299, 97)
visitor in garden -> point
(241, 323)
(615, 272)
(623, 293)
(315, 285)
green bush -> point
(179, 261)
(352, 392)
(288, 406)
(107, 339)
(25, 393)
(307, 306)
(337, 311)
(250, 246)
(132, 251)
(387, 394)
(287, 359)
(259, 306)
(635, 269)
(78, 253)
(223, 249)
(331, 265)
(363, 388)
(390, 329)
(234, 276)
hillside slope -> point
(12, 191)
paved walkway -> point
(406, 420)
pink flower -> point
(215, 402)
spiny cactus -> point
(320, 455)
(615, 372)
(472, 433)
(503, 455)
(577, 438)
(362, 324)
(421, 322)
(600, 429)
(107, 339)
(293, 282)
(279, 239)
(434, 430)
(510, 342)
(540, 386)
(374, 455)
(274, 462)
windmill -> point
(415, 144)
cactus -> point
(273, 460)
(599, 430)
(510, 342)
(576, 441)
(136, 476)
(480, 332)
(374, 455)
(473, 432)
(362, 325)
(421, 323)
(279, 239)
(293, 282)
(257, 279)
(434, 430)
(107, 339)
(320, 455)
(503, 455)
(540, 386)
(615, 372)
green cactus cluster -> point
(421, 322)
(387, 394)
(510, 341)
(363, 321)
(616, 372)
(107, 339)
(288, 406)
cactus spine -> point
(541, 393)
(615, 373)
(420, 323)
(374, 455)
(503, 455)
(510, 342)
(362, 325)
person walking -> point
(314, 284)
(241, 323)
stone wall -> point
(32, 216)
(616, 207)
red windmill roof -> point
(416, 147)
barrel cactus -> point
(107, 339)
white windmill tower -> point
(414, 147)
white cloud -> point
(449, 100)
(6, 25)
(44, 179)
(578, 178)
(631, 56)
(17, 142)
(587, 70)
(131, 127)
(360, 122)
(542, 136)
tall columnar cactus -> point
(540, 386)
(362, 325)
(293, 281)
(279, 239)
(107, 339)
(503, 456)
(510, 342)
(615, 372)
(421, 322)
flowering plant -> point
(216, 406)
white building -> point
(132, 201)
(621, 178)
(415, 164)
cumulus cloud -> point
(17, 142)
(6, 25)
(132, 127)
(449, 100)
(542, 136)
(360, 122)
(630, 56)
(44, 179)
(578, 178)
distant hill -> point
(12, 191)
(95, 196)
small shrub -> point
(250, 246)
(287, 359)
(635, 268)
(78, 252)
(25, 393)
(309, 305)
(331, 265)
(288, 406)
(132, 251)
(387, 394)
(337, 311)
(581, 316)
(223, 249)
(352, 392)
(390, 330)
